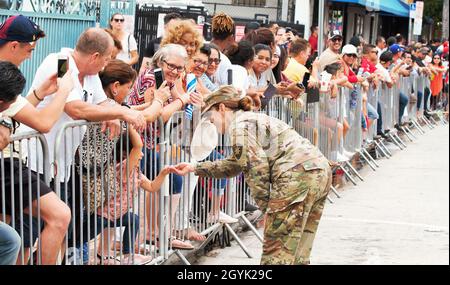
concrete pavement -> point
(398, 215)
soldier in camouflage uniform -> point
(289, 178)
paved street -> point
(398, 215)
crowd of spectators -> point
(101, 86)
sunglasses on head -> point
(119, 20)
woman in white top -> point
(129, 53)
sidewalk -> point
(398, 215)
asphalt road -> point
(398, 215)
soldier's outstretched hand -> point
(183, 168)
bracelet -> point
(182, 103)
(160, 102)
(35, 95)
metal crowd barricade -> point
(413, 110)
(101, 188)
(407, 88)
(25, 221)
(353, 138)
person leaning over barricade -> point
(18, 39)
(117, 211)
(87, 101)
(275, 156)
(95, 150)
(172, 60)
(331, 54)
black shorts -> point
(28, 229)
(12, 187)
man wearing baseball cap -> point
(397, 52)
(331, 54)
(18, 38)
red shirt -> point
(367, 66)
(352, 78)
(313, 41)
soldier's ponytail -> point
(245, 104)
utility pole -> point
(445, 20)
(321, 25)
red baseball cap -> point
(20, 28)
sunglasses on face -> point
(215, 61)
(173, 67)
(119, 20)
(352, 55)
(335, 40)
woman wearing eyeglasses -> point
(198, 65)
(129, 53)
(172, 60)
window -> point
(252, 3)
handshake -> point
(181, 169)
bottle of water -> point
(191, 82)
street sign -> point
(412, 10)
(417, 27)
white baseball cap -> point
(349, 49)
(204, 140)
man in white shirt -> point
(87, 101)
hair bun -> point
(246, 104)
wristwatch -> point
(6, 123)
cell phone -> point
(159, 77)
(268, 94)
(63, 64)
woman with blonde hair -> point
(184, 33)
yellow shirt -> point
(295, 71)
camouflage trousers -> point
(289, 233)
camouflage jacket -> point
(263, 149)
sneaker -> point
(348, 153)
(250, 208)
(226, 219)
(73, 256)
(341, 157)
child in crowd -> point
(117, 210)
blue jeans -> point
(427, 96)
(419, 100)
(9, 245)
(219, 185)
(380, 119)
(403, 103)
(371, 113)
(129, 220)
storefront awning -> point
(395, 7)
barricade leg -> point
(235, 236)
(335, 191)
(363, 155)
(372, 160)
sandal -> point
(108, 259)
(179, 244)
